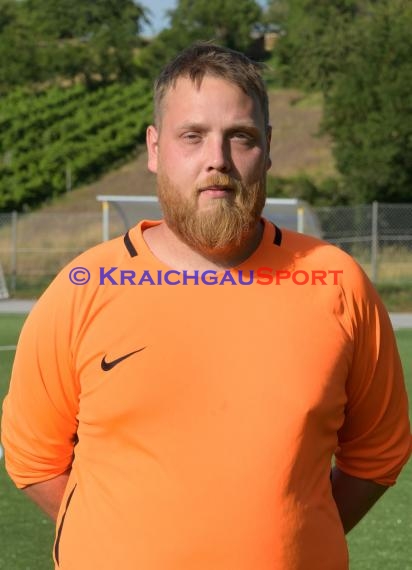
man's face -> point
(211, 154)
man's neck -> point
(172, 251)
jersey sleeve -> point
(39, 421)
(374, 441)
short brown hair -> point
(205, 58)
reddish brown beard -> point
(224, 224)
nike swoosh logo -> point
(109, 365)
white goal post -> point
(4, 292)
(119, 213)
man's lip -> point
(215, 188)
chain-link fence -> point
(378, 236)
(35, 246)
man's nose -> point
(218, 155)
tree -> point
(18, 50)
(69, 38)
(277, 12)
(319, 35)
(227, 22)
(369, 110)
(99, 35)
(71, 19)
(8, 13)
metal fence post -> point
(301, 219)
(375, 243)
(105, 220)
(13, 252)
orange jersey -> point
(200, 420)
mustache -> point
(220, 180)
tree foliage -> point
(227, 22)
(18, 50)
(319, 35)
(8, 13)
(43, 40)
(369, 109)
(277, 12)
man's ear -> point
(152, 138)
(268, 141)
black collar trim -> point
(129, 246)
(278, 235)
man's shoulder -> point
(311, 249)
(112, 250)
(311, 254)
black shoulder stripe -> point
(129, 246)
(278, 236)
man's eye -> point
(191, 137)
(244, 138)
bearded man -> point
(193, 427)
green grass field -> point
(380, 542)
